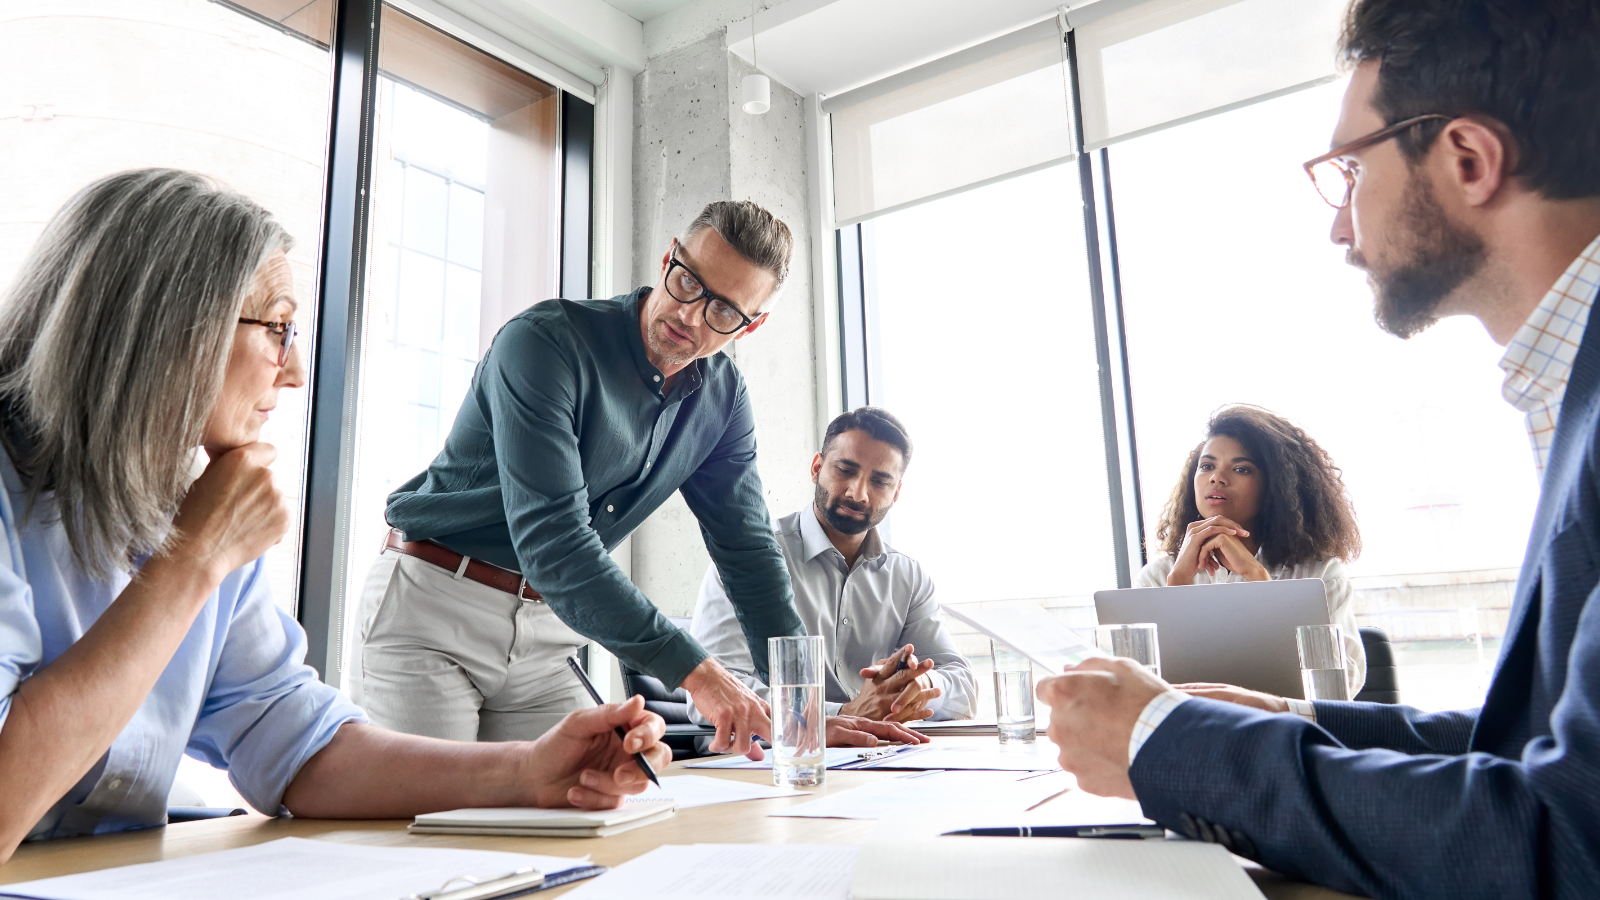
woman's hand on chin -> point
(1228, 552)
(233, 512)
(1192, 557)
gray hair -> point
(755, 234)
(114, 341)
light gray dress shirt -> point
(864, 613)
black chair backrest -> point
(673, 706)
(1383, 676)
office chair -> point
(1383, 682)
(673, 706)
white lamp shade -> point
(757, 93)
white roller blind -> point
(1149, 65)
(995, 110)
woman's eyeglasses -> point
(283, 330)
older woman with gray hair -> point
(155, 317)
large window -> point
(100, 86)
(465, 234)
(1233, 294)
(985, 337)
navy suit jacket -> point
(1389, 801)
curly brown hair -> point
(1305, 513)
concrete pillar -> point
(694, 145)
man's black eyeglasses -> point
(686, 287)
(284, 331)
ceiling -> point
(645, 10)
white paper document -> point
(1040, 756)
(699, 790)
(936, 794)
(833, 758)
(729, 872)
(1029, 630)
(987, 868)
(289, 869)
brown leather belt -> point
(477, 570)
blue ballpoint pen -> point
(1126, 832)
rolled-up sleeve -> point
(265, 712)
(952, 673)
(725, 496)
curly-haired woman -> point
(1259, 500)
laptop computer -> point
(1240, 633)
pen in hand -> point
(644, 764)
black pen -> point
(1126, 832)
(644, 764)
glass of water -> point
(1136, 642)
(1322, 662)
(798, 726)
(1013, 695)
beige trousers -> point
(442, 656)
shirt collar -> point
(1538, 360)
(815, 541)
(690, 378)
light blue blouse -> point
(237, 694)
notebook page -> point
(729, 872)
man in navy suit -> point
(1467, 177)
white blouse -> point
(1335, 579)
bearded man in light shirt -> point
(1466, 174)
(874, 605)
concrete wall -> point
(694, 145)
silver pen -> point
(484, 888)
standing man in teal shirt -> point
(583, 418)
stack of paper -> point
(291, 869)
(954, 727)
(1029, 630)
(544, 822)
(990, 868)
(1040, 756)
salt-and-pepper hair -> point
(114, 342)
(755, 234)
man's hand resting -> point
(739, 715)
(854, 731)
(1239, 695)
(581, 762)
(894, 694)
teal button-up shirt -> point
(566, 443)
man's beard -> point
(1442, 257)
(844, 524)
(670, 354)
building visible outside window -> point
(1234, 294)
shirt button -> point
(114, 784)
(844, 621)
(610, 508)
(647, 464)
(655, 377)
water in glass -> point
(798, 732)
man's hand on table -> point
(581, 763)
(855, 731)
(739, 715)
(894, 694)
(1093, 708)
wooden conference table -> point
(744, 822)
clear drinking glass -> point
(1013, 695)
(798, 727)
(1136, 642)
(1322, 662)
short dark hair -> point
(1532, 65)
(1306, 513)
(878, 423)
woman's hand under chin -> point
(233, 512)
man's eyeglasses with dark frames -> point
(685, 286)
(283, 330)
(1334, 178)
